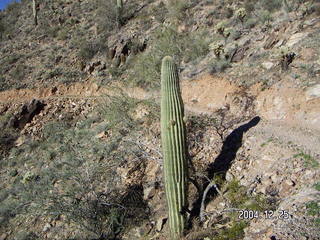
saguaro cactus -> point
(119, 3)
(119, 12)
(173, 138)
(35, 9)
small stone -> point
(275, 178)
(229, 176)
(290, 182)
(101, 135)
(46, 227)
(313, 92)
(295, 38)
(149, 192)
(267, 65)
(160, 223)
(20, 141)
(3, 236)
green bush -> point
(87, 50)
(62, 34)
(218, 66)
(234, 232)
(271, 5)
(159, 12)
(19, 72)
(313, 208)
(74, 172)
(166, 41)
(251, 23)
(317, 186)
(265, 16)
(249, 6)
(106, 15)
(177, 9)
(13, 13)
(52, 31)
(24, 235)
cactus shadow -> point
(222, 162)
(229, 150)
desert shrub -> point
(265, 16)
(18, 73)
(218, 66)
(56, 72)
(177, 9)
(13, 12)
(87, 49)
(52, 31)
(145, 70)
(62, 34)
(271, 5)
(24, 235)
(159, 12)
(235, 35)
(228, 13)
(196, 45)
(9, 207)
(13, 58)
(251, 23)
(117, 111)
(4, 84)
(234, 232)
(72, 172)
(107, 16)
(249, 6)
(71, 76)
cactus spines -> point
(173, 140)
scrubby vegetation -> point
(70, 173)
(73, 173)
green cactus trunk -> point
(119, 12)
(35, 12)
(119, 3)
(173, 138)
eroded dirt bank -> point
(282, 102)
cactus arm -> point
(174, 147)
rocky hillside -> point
(80, 152)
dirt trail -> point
(286, 110)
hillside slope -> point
(79, 107)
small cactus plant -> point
(217, 48)
(241, 13)
(173, 138)
(221, 28)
